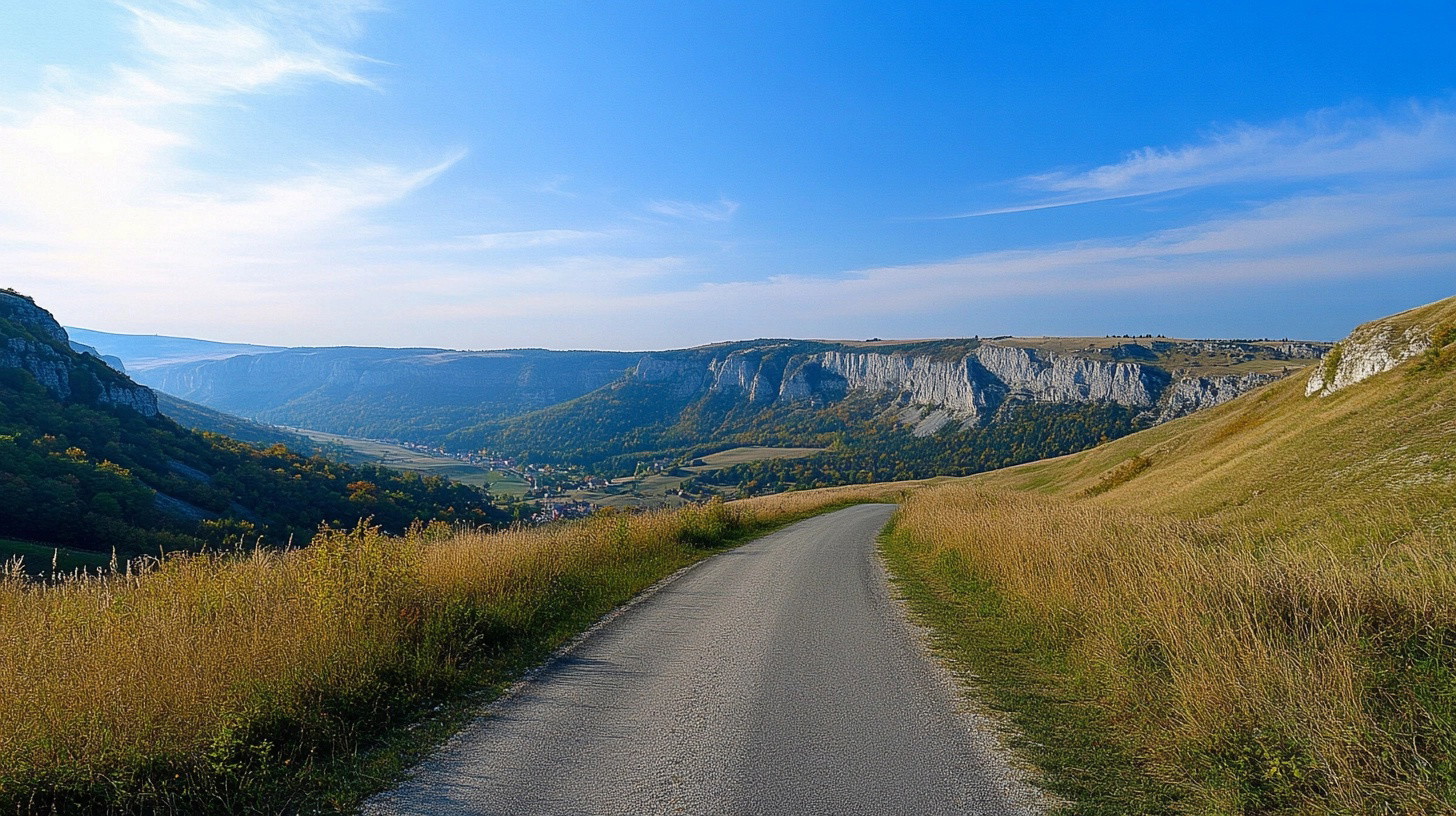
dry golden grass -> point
(796, 502)
(1262, 595)
(1254, 674)
(220, 683)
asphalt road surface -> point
(778, 678)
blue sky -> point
(651, 174)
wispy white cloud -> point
(101, 195)
(198, 51)
(1317, 239)
(1323, 146)
(103, 203)
(527, 239)
(720, 210)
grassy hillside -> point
(1256, 603)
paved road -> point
(779, 678)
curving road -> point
(777, 678)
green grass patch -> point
(38, 559)
(1019, 671)
(505, 483)
(1120, 475)
(752, 453)
(1441, 357)
(374, 452)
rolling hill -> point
(1257, 602)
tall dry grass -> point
(798, 502)
(229, 683)
(1258, 674)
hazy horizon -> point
(877, 340)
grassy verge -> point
(1244, 673)
(1060, 726)
(275, 682)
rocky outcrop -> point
(32, 340)
(1190, 394)
(993, 375)
(23, 312)
(126, 394)
(1028, 376)
(753, 374)
(683, 377)
(912, 379)
(1369, 350)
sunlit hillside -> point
(1261, 596)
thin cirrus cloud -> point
(721, 210)
(200, 51)
(1304, 239)
(529, 239)
(1314, 237)
(1323, 145)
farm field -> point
(737, 456)
(376, 452)
(660, 489)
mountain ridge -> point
(461, 398)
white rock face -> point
(940, 390)
(683, 376)
(50, 368)
(658, 369)
(1071, 379)
(1369, 350)
(921, 380)
(1196, 393)
(990, 375)
(746, 373)
(23, 311)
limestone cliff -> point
(32, 340)
(1371, 349)
(964, 385)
